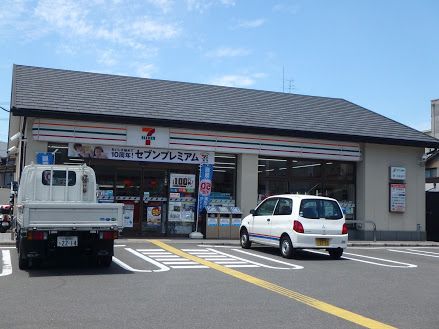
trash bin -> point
(236, 218)
(224, 223)
(212, 215)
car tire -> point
(245, 239)
(286, 247)
(335, 253)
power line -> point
(1, 107)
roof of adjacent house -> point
(44, 92)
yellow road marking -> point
(322, 306)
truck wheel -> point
(23, 263)
(105, 261)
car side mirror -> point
(252, 212)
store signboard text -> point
(139, 154)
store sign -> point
(148, 136)
(397, 173)
(205, 186)
(397, 197)
(139, 154)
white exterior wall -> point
(373, 187)
(32, 147)
(247, 182)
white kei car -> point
(292, 221)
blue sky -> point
(382, 55)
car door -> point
(282, 220)
(260, 228)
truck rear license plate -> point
(67, 241)
(322, 242)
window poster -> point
(154, 216)
(397, 197)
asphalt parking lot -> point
(173, 284)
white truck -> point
(57, 214)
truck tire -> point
(105, 261)
(23, 262)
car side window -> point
(266, 208)
(284, 207)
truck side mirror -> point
(14, 186)
(252, 212)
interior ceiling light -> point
(305, 166)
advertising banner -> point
(205, 186)
(397, 197)
(127, 153)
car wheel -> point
(245, 239)
(286, 247)
(335, 253)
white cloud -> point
(288, 8)
(68, 17)
(164, 5)
(228, 52)
(251, 24)
(107, 58)
(203, 5)
(237, 80)
(145, 70)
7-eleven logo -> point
(149, 135)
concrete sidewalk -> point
(5, 240)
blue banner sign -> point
(45, 158)
(205, 185)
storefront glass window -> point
(306, 168)
(272, 167)
(60, 151)
(224, 178)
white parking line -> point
(127, 267)
(191, 266)
(7, 247)
(7, 265)
(162, 268)
(119, 245)
(180, 263)
(416, 252)
(425, 252)
(402, 265)
(296, 267)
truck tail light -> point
(344, 230)
(109, 235)
(298, 227)
(36, 235)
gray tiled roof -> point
(45, 91)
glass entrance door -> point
(155, 201)
(128, 182)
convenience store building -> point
(146, 140)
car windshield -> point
(320, 208)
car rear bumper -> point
(318, 241)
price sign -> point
(182, 181)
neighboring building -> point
(146, 139)
(435, 118)
(432, 155)
(7, 171)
